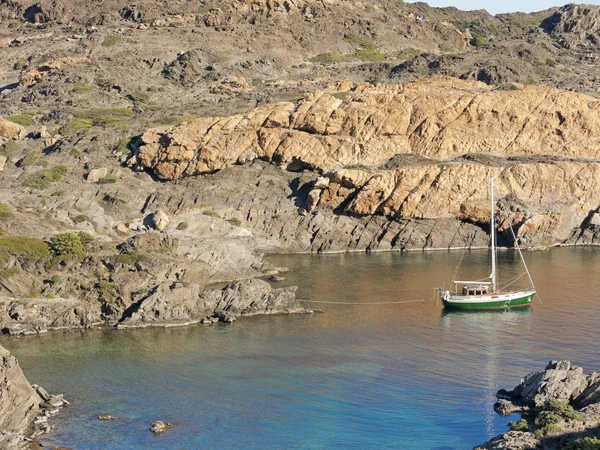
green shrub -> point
(204, 9)
(357, 167)
(211, 213)
(182, 226)
(82, 88)
(81, 218)
(586, 443)
(123, 145)
(235, 222)
(479, 40)
(67, 245)
(14, 25)
(521, 425)
(529, 81)
(128, 259)
(57, 193)
(24, 120)
(20, 65)
(29, 249)
(105, 288)
(108, 179)
(340, 96)
(563, 409)
(5, 211)
(76, 125)
(55, 279)
(29, 160)
(139, 97)
(550, 62)
(109, 41)
(8, 149)
(85, 238)
(369, 55)
(42, 179)
(84, 287)
(8, 272)
(408, 53)
(2, 231)
(106, 117)
(327, 58)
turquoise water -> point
(405, 376)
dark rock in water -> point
(159, 427)
(106, 417)
(224, 316)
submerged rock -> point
(159, 427)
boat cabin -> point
(475, 290)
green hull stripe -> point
(513, 303)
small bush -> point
(14, 25)
(587, 443)
(42, 179)
(564, 410)
(521, 425)
(84, 287)
(5, 211)
(139, 97)
(8, 149)
(529, 81)
(24, 120)
(108, 179)
(81, 218)
(106, 117)
(55, 279)
(357, 167)
(85, 238)
(20, 65)
(82, 88)
(76, 125)
(2, 231)
(128, 259)
(30, 249)
(67, 245)
(182, 226)
(204, 9)
(235, 222)
(109, 41)
(8, 272)
(211, 213)
(123, 145)
(105, 288)
(408, 53)
(479, 40)
(29, 160)
(369, 55)
(327, 58)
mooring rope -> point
(370, 303)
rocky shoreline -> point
(560, 409)
(168, 305)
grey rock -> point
(43, 393)
(159, 427)
(106, 417)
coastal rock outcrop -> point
(179, 304)
(561, 406)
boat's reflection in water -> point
(494, 325)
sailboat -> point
(473, 295)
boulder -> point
(97, 174)
(159, 427)
(160, 220)
(10, 130)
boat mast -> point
(492, 232)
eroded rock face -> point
(35, 74)
(19, 403)
(439, 118)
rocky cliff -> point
(19, 403)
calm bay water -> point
(406, 376)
